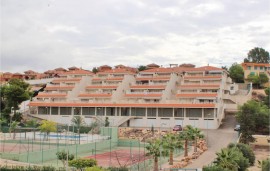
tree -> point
(142, 68)
(214, 168)
(64, 157)
(82, 163)
(95, 70)
(33, 123)
(236, 73)
(267, 98)
(252, 116)
(107, 122)
(47, 127)
(154, 150)
(258, 55)
(78, 121)
(263, 78)
(227, 158)
(245, 150)
(264, 164)
(196, 133)
(13, 94)
(186, 135)
(13, 127)
(171, 142)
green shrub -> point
(28, 168)
(118, 168)
(266, 165)
(82, 163)
(246, 151)
(95, 168)
(243, 163)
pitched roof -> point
(145, 95)
(78, 72)
(59, 87)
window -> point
(54, 111)
(152, 112)
(165, 112)
(255, 68)
(179, 112)
(88, 111)
(100, 111)
(249, 67)
(195, 113)
(261, 68)
(138, 111)
(124, 111)
(110, 111)
(65, 110)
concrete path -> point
(218, 139)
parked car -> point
(177, 128)
(237, 128)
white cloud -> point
(42, 35)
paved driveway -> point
(217, 139)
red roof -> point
(199, 86)
(101, 87)
(117, 70)
(148, 87)
(101, 95)
(201, 77)
(67, 80)
(196, 95)
(59, 87)
(115, 78)
(153, 78)
(162, 105)
(51, 95)
(78, 72)
(144, 95)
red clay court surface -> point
(119, 158)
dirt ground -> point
(260, 155)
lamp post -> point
(208, 115)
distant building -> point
(256, 69)
(154, 97)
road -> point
(217, 139)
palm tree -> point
(154, 150)
(195, 135)
(78, 121)
(186, 135)
(171, 142)
(13, 127)
(228, 158)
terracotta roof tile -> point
(202, 77)
(51, 95)
(152, 78)
(98, 95)
(101, 87)
(196, 95)
(77, 72)
(67, 80)
(59, 87)
(199, 86)
(144, 95)
(148, 87)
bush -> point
(266, 165)
(214, 168)
(82, 163)
(28, 168)
(246, 151)
(95, 168)
(243, 163)
(118, 168)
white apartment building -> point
(159, 97)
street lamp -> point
(208, 116)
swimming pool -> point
(63, 136)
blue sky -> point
(46, 34)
